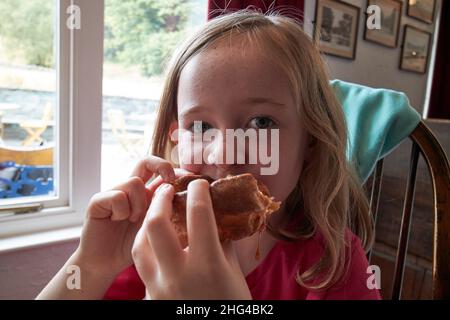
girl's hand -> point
(206, 269)
(115, 216)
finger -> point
(111, 204)
(230, 254)
(201, 223)
(138, 195)
(145, 168)
(160, 232)
(144, 257)
(155, 183)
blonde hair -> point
(329, 191)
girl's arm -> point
(75, 280)
(112, 221)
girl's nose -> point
(225, 154)
(216, 151)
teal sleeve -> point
(377, 121)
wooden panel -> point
(416, 284)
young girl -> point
(240, 71)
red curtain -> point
(290, 8)
(440, 91)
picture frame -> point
(391, 14)
(415, 50)
(422, 10)
(336, 28)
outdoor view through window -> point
(140, 36)
(27, 98)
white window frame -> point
(78, 130)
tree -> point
(27, 30)
(144, 32)
(139, 33)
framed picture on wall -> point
(421, 9)
(415, 49)
(336, 28)
(391, 13)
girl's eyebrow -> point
(262, 100)
(247, 101)
(192, 110)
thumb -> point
(143, 256)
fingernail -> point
(163, 187)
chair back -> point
(423, 143)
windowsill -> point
(39, 239)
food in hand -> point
(241, 206)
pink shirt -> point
(274, 278)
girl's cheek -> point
(190, 155)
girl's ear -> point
(173, 126)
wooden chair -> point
(132, 143)
(425, 143)
(36, 128)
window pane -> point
(140, 35)
(27, 98)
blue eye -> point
(261, 122)
(199, 127)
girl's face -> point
(232, 87)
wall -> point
(24, 273)
(376, 65)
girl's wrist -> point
(78, 279)
(92, 268)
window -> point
(28, 100)
(139, 38)
(74, 62)
(86, 124)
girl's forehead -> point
(234, 66)
(228, 79)
(234, 51)
(229, 72)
